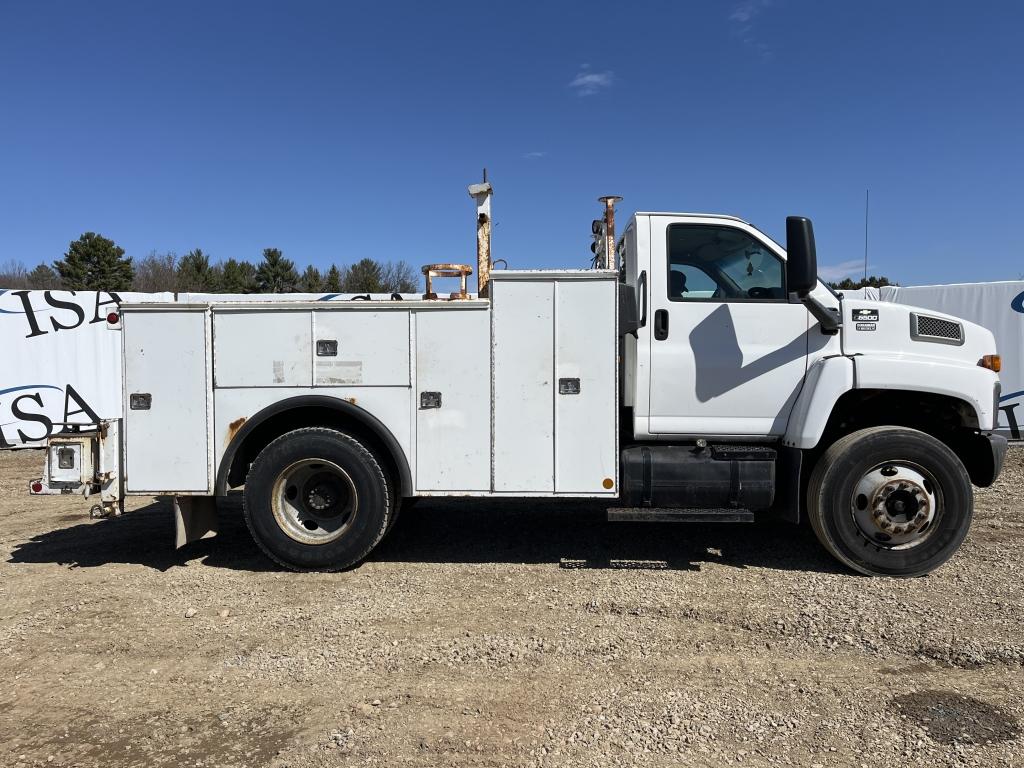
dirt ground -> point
(525, 634)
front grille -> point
(927, 328)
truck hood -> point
(900, 330)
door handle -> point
(661, 324)
(641, 287)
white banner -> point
(60, 362)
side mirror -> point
(801, 259)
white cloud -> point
(743, 16)
(588, 83)
(833, 272)
(534, 155)
(744, 12)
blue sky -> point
(335, 131)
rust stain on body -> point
(233, 428)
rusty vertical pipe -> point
(483, 253)
(481, 194)
(609, 229)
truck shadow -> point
(576, 534)
(570, 534)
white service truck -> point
(699, 372)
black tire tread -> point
(371, 461)
(816, 511)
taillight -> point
(992, 362)
(36, 487)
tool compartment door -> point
(586, 459)
(361, 348)
(167, 370)
(523, 355)
(452, 398)
(554, 357)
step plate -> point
(678, 515)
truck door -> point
(728, 351)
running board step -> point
(678, 515)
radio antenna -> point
(867, 200)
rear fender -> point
(334, 409)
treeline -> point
(95, 263)
(846, 284)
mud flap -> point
(195, 517)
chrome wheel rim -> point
(896, 505)
(314, 501)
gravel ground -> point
(525, 634)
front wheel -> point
(890, 501)
(316, 500)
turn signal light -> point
(992, 362)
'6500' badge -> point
(865, 315)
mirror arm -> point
(830, 319)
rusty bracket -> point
(461, 271)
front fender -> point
(972, 384)
(827, 380)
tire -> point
(316, 500)
(890, 501)
(396, 506)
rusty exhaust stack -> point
(481, 194)
(609, 229)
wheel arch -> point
(292, 413)
(951, 420)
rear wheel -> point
(316, 499)
(890, 501)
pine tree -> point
(364, 277)
(195, 273)
(238, 277)
(332, 283)
(276, 274)
(43, 278)
(94, 263)
(311, 281)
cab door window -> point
(720, 263)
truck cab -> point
(731, 351)
(699, 372)
(721, 350)
(739, 346)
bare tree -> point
(155, 273)
(399, 277)
(13, 275)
